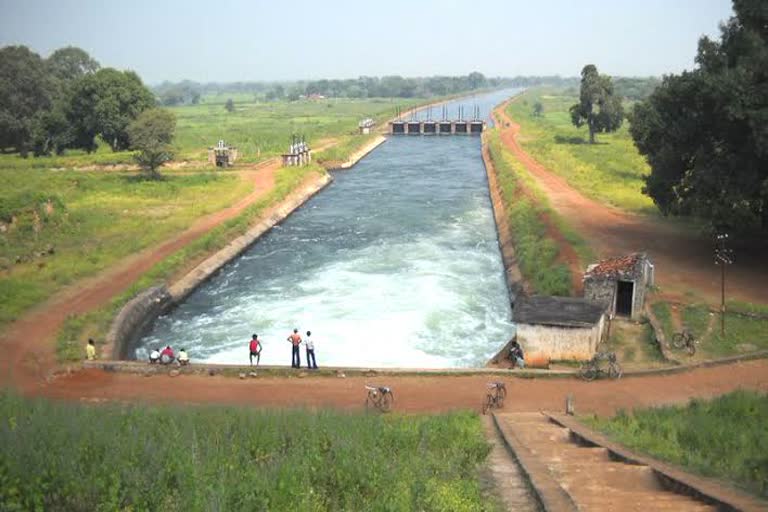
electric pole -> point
(723, 257)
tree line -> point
(65, 101)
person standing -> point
(255, 348)
(309, 344)
(295, 340)
(90, 350)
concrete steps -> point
(587, 474)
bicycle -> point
(497, 392)
(684, 340)
(380, 397)
(594, 367)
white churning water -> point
(395, 264)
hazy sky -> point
(232, 40)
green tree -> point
(598, 107)
(230, 105)
(538, 109)
(151, 135)
(476, 80)
(71, 63)
(25, 94)
(104, 103)
(705, 132)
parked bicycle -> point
(497, 392)
(591, 369)
(380, 397)
(684, 340)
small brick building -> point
(620, 284)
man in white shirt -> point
(310, 345)
(154, 356)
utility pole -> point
(723, 257)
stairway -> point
(593, 481)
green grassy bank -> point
(726, 437)
(58, 456)
(610, 171)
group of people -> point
(254, 349)
(167, 356)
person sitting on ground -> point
(154, 356)
(516, 354)
(90, 350)
(166, 356)
(183, 357)
(255, 349)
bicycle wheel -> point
(487, 403)
(500, 400)
(691, 348)
(614, 371)
(588, 371)
(502, 392)
(678, 341)
(386, 402)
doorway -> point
(624, 294)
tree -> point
(151, 135)
(598, 107)
(71, 63)
(104, 103)
(230, 105)
(538, 109)
(25, 93)
(476, 80)
(705, 132)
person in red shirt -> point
(167, 356)
(255, 348)
(295, 340)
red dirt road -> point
(683, 259)
(412, 393)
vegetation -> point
(59, 226)
(536, 254)
(663, 314)
(598, 107)
(635, 89)
(724, 437)
(703, 132)
(216, 458)
(151, 135)
(611, 171)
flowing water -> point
(395, 264)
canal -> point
(395, 264)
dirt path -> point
(28, 343)
(412, 393)
(683, 258)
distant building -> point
(559, 328)
(366, 126)
(222, 155)
(620, 284)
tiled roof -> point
(559, 311)
(614, 266)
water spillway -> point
(395, 264)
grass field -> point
(726, 437)
(215, 458)
(610, 171)
(91, 220)
(535, 252)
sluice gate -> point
(444, 126)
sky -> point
(228, 40)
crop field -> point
(610, 171)
(215, 458)
(725, 437)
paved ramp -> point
(592, 480)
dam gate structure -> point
(444, 126)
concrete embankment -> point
(362, 152)
(141, 311)
(514, 278)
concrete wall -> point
(559, 343)
(602, 291)
(134, 317)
